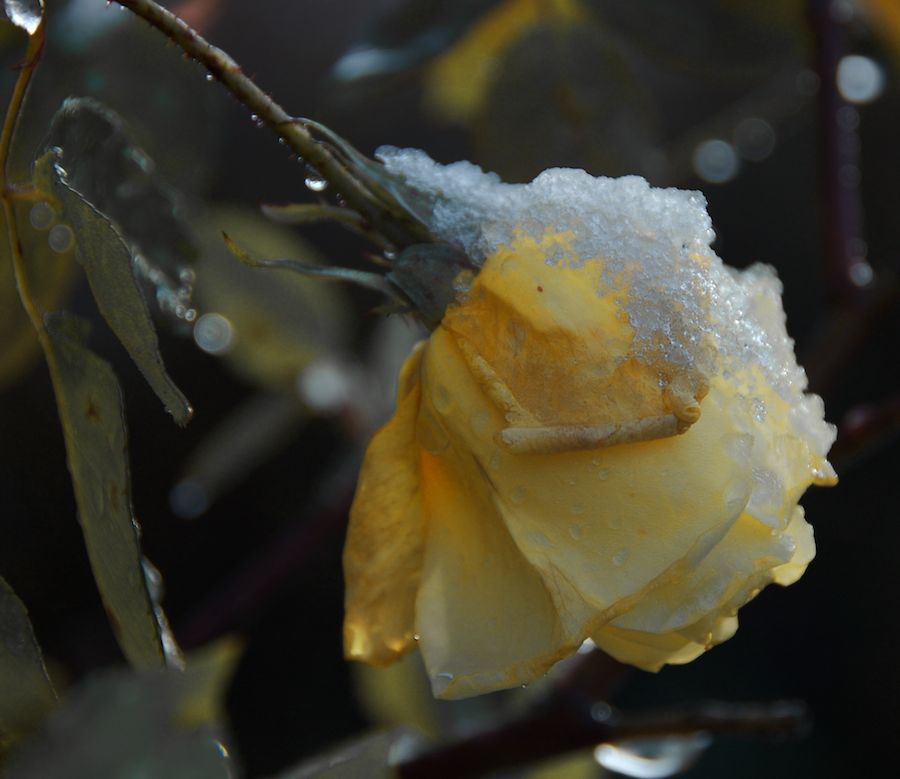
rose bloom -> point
(605, 438)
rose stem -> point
(292, 130)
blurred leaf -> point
(107, 262)
(116, 176)
(123, 726)
(280, 321)
(90, 408)
(407, 35)
(398, 695)
(27, 693)
(458, 83)
(51, 277)
(584, 106)
(26, 14)
(370, 757)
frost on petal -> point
(385, 540)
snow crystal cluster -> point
(684, 304)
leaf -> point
(370, 757)
(107, 262)
(90, 408)
(280, 322)
(26, 14)
(116, 176)
(126, 724)
(51, 286)
(27, 693)
(427, 275)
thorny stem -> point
(292, 130)
(565, 723)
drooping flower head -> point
(605, 437)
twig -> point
(839, 155)
(291, 129)
(567, 723)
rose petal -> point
(385, 540)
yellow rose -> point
(605, 446)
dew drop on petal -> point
(576, 531)
(518, 495)
(621, 557)
(61, 238)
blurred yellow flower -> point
(607, 445)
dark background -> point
(264, 561)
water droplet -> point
(759, 409)
(430, 435)
(754, 138)
(41, 216)
(518, 495)
(254, 118)
(603, 474)
(716, 161)
(442, 399)
(214, 334)
(576, 531)
(316, 184)
(861, 273)
(859, 79)
(210, 77)
(324, 386)
(61, 238)
(577, 509)
(653, 758)
(188, 499)
(807, 82)
(601, 711)
(620, 557)
(480, 421)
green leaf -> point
(107, 262)
(373, 281)
(125, 725)
(27, 693)
(370, 757)
(90, 408)
(26, 14)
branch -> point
(570, 722)
(294, 131)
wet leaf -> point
(27, 693)
(51, 278)
(371, 757)
(278, 321)
(122, 725)
(116, 176)
(90, 408)
(26, 14)
(107, 262)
